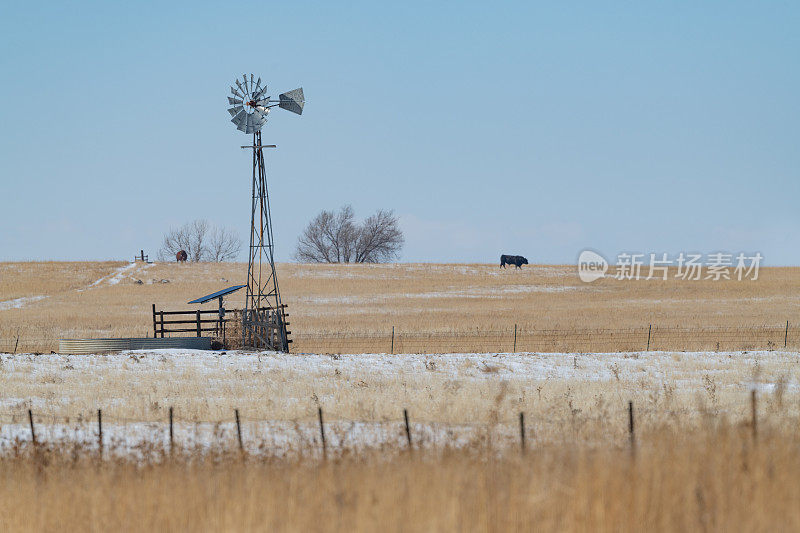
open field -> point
(566, 397)
(715, 479)
(40, 302)
(696, 462)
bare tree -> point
(328, 238)
(201, 241)
(379, 238)
(177, 239)
(336, 238)
(223, 245)
(196, 234)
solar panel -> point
(223, 292)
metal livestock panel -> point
(89, 346)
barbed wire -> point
(520, 339)
(552, 416)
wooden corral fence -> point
(267, 328)
(198, 321)
(206, 322)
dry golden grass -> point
(351, 299)
(714, 479)
(696, 465)
(587, 393)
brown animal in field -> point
(181, 256)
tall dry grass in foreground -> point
(714, 479)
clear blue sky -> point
(488, 127)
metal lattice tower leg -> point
(264, 325)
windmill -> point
(263, 319)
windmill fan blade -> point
(259, 90)
(260, 117)
(293, 101)
(239, 118)
(250, 105)
(258, 121)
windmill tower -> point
(263, 319)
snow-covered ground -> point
(118, 275)
(273, 438)
(579, 366)
(470, 292)
(19, 302)
(451, 398)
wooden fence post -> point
(515, 338)
(322, 434)
(786, 334)
(33, 432)
(408, 429)
(522, 431)
(649, 330)
(239, 431)
(198, 323)
(171, 440)
(161, 315)
(392, 340)
(100, 431)
(753, 413)
(631, 432)
(154, 321)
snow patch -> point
(685, 370)
(115, 277)
(470, 292)
(19, 302)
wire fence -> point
(551, 416)
(516, 339)
(320, 434)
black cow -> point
(517, 260)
